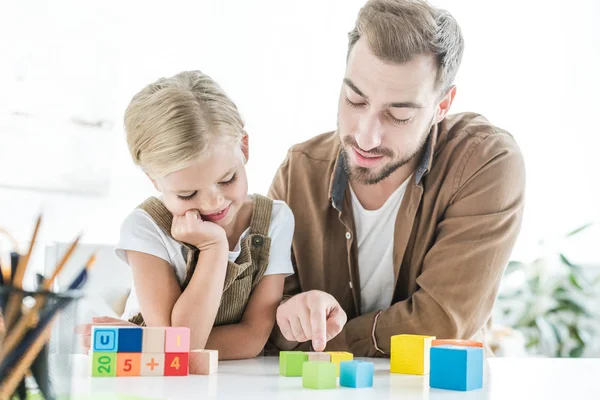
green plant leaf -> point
(574, 333)
(581, 228)
(575, 282)
(574, 306)
(568, 263)
(514, 266)
(556, 332)
(577, 352)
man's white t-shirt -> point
(140, 233)
(375, 240)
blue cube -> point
(130, 340)
(356, 374)
(456, 367)
(105, 339)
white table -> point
(504, 379)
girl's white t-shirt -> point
(140, 233)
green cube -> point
(290, 362)
(319, 375)
(104, 364)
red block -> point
(176, 364)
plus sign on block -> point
(153, 364)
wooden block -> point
(319, 375)
(104, 364)
(410, 354)
(290, 362)
(130, 339)
(204, 362)
(177, 340)
(153, 364)
(456, 342)
(338, 356)
(356, 374)
(105, 339)
(318, 356)
(176, 364)
(456, 368)
(153, 340)
(128, 364)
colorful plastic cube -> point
(356, 374)
(456, 368)
(456, 342)
(410, 354)
(338, 356)
(318, 356)
(319, 375)
(290, 362)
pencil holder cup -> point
(29, 327)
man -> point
(405, 216)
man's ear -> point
(153, 182)
(445, 103)
(245, 147)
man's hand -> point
(313, 315)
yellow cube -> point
(410, 354)
(338, 356)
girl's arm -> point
(163, 304)
(247, 338)
(155, 285)
(197, 306)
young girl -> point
(206, 255)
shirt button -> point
(348, 235)
(350, 285)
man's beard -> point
(364, 175)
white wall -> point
(529, 66)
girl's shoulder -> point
(282, 219)
(139, 221)
(141, 233)
(281, 213)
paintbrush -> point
(16, 334)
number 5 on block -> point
(128, 364)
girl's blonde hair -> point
(174, 121)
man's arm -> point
(462, 271)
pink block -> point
(177, 340)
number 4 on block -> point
(176, 364)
